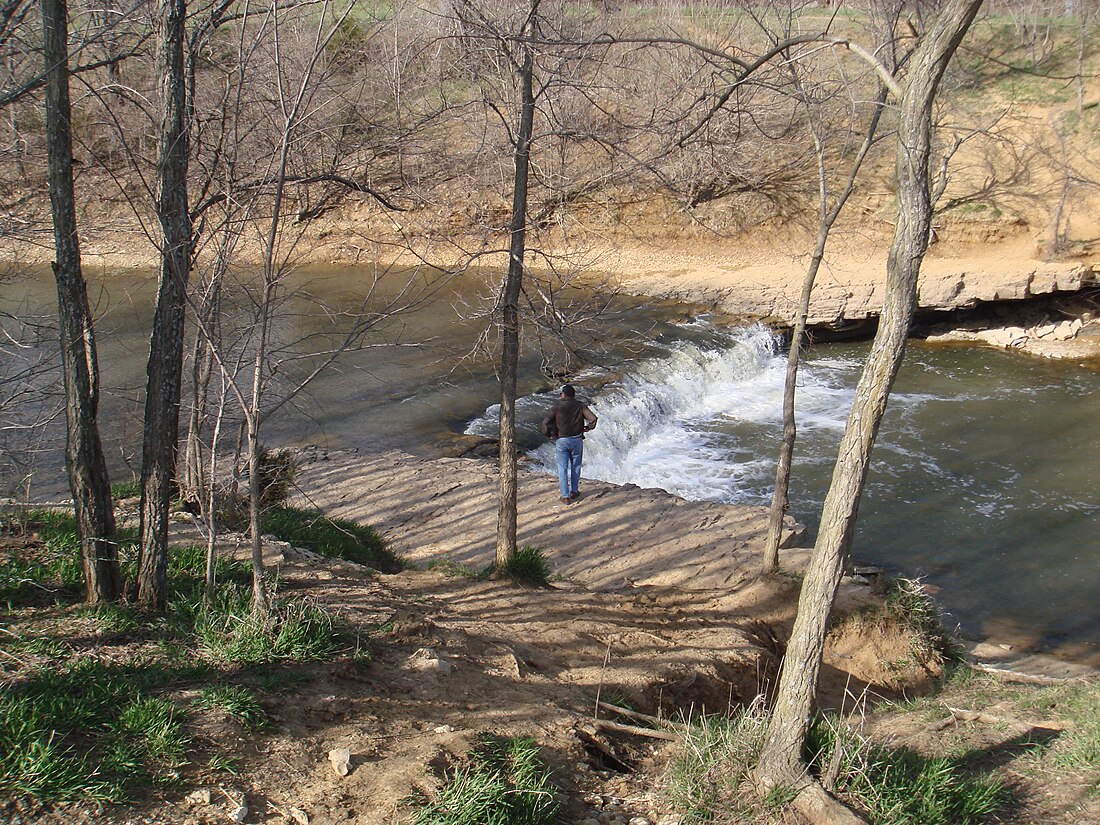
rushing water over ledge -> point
(983, 478)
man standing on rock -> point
(566, 425)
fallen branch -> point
(633, 714)
(637, 731)
(589, 737)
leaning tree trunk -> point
(779, 504)
(780, 763)
(84, 459)
(165, 369)
(509, 359)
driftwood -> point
(964, 715)
(1015, 676)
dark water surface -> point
(984, 478)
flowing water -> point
(983, 478)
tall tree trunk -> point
(798, 336)
(84, 459)
(509, 359)
(165, 368)
(780, 761)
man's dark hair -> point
(568, 391)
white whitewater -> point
(690, 421)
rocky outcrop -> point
(1034, 333)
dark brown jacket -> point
(568, 417)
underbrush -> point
(504, 783)
(897, 786)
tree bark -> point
(84, 459)
(165, 368)
(509, 324)
(780, 761)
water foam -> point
(690, 420)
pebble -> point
(299, 816)
(199, 797)
(239, 813)
(340, 759)
(640, 820)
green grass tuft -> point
(898, 786)
(126, 489)
(528, 566)
(505, 783)
(909, 603)
(335, 538)
(237, 701)
(708, 772)
(450, 567)
(229, 631)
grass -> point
(126, 489)
(909, 603)
(1076, 703)
(74, 726)
(528, 566)
(708, 779)
(505, 783)
(706, 776)
(87, 730)
(227, 630)
(450, 567)
(896, 786)
(237, 701)
(335, 538)
(49, 564)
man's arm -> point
(590, 418)
(550, 424)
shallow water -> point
(983, 480)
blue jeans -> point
(568, 451)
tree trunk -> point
(780, 761)
(798, 336)
(165, 368)
(193, 482)
(509, 359)
(261, 604)
(84, 459)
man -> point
(566, 425)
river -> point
(983, 480)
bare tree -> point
(828, 213)
(165, 366)
(780, 763)
(84, 459)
